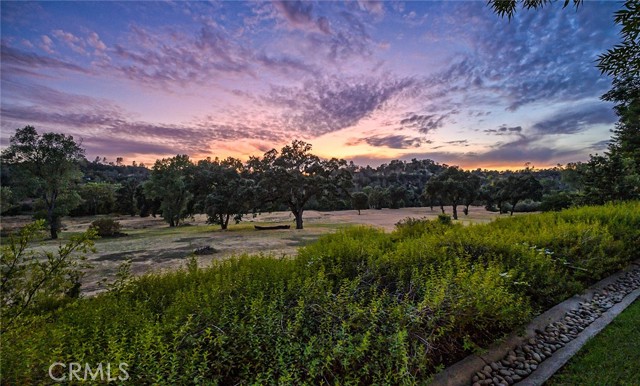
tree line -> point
(48, 174)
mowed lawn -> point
(610, 358)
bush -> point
(36, 281)
(359, 306)
(525, 206)
(557, 201)
(444, 219)
(106, 227)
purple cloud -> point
(576, 120)
(299, 14)
(425, 123)
(390, 141)
(504, 130)
(13, 60)
(323, 106)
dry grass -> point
(153, 246)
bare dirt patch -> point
(152, 246)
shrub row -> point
(357, 307)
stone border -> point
(562, 330)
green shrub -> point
(444, 219)
(412, 227)
(557, 201)
(525, 206)
(106, 227)
(357, 307)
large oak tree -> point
(293, 176)
(50, 164)
(168, 183)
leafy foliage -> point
(168, 183)
(294, 176)
(358, 306)
(34, 281)
(360, 201)
(508, 7)
(106, 227)
(49, 162)
(624, 58)
(223, 189)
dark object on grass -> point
(205, 251)
(266, 228)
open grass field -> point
(153, 246)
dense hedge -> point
(357, 307)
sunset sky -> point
(364, 81)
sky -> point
(365, 81)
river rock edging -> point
(550, 339)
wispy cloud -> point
(600, 145)
(323, 106)
(389, 74)
(460, 142)
(576, 120)
(425, 123)
(390, 141)
(299, 14)
(15, 60)
(504, 130)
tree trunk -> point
(358, 212)
(53, 223)
(513, 207)
(224, 222)
(455, 211)
(298, 219)
(442, 208)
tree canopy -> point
(168, 182)
(50, 163)
(293, 176)
(223, 190)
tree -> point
(624, 59)
(434, 193)
(508, 7)
(50, 161)
(360, 201)
(520, 187)
(609, 178)
(126, 196)
(223, 190)
(168, 182)
(378, 197)
(97, 197)
(625, 141)
(146, 205)
(293, 176)
(7, 199)
(471, 191)
(397, 196)
(492, 193)
(452, 185)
